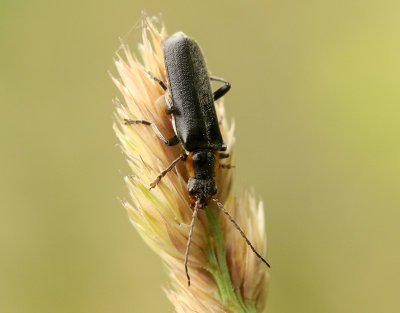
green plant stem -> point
(218, 266)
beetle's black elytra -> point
(194, 113)
(191, 103)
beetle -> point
(190, 101)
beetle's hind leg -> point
(164, 172)
(159, 81)
(221, 91)
(169, 142)
(170, 108)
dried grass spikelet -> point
(226, 275)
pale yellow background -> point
(316, 101)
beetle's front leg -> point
(182, 157)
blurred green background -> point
(316, 102)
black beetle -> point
(191, 102)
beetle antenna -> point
(240, 230)
(190, 239)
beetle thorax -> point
(201, 165)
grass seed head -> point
(226, 275)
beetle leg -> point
(164, 172)
(159, 81)
(227, 166)
(130, 122)
(169, 142)
(221, 90)
(173, 141)
(223, 155)
(170, 109)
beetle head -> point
(202, 186)
(202, 189)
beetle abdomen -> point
(194, 113)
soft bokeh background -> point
(316, 102)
